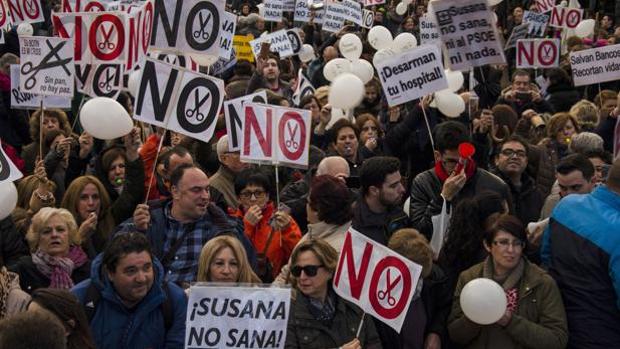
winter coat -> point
(538, 322)
(305, 332)
(224, 181)
(562, 97)
(378, 226)
(527, 200)
(115, 327)
(12, 244)
(282, 242)
(16, 300)
(30, 278)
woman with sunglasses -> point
(273, 233)
(535, 316)
(319, 318)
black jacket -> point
(12, 244)
(30, 278)
(378, 226)
(528, 200)
(562, 97)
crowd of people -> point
(108, 236)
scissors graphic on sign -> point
(197, 104)
(106, 85)
(106, 40)
(46, 63)
(203, 27)
(387, 293)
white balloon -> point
(494, 2)
(346, 91)
(449, 103)
(379, 37)
(362, 69)
(105, 118)
(337, 114)
(350, 46)
(382, 55)
(585, 28)
(8, 193)
(134, 82)
(336, 67)
(25, 29)
(261, 9)
(204, 60)
(404, 42)
(401, 8)
(455, 79)
(306, 54)
(483, 301)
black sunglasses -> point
(310, 270)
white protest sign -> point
(280, 43)
(304, 14)
(595, 65)
(2, 34)
(468, 33)
(187, 26)
(21, 100)
(429, 33)
(376, 279)
(233, 114)
(273, 10)
(46, 65)
(275, 135)
(178, 99)
(178, 59)
(519, 32)
(4, 16)
(352, 11)
(373, 2)
(333, 20)
(229, 23)
(25, 11)
(544, 5)
(237, 317)
(537, 22)
(288, 5)
(412, 74)
(102, 80)
(139, 27)
(8, 171)
(295, 38)
(303, 88)
(368, 18)
(564, 17)
(538, 53)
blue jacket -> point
(581, 247)
(116, 327)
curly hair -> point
(35, 122)
(39, 223)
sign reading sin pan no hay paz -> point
(595, 65)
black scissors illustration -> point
(46, 63)
(106, 40)
(203, 27)
(198, 103)
(387, 293)
(106, 85)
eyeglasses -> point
(510, 153)
(310, 270)
(259, 194)
(505, 243)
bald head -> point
(335, 166)
(329, 53)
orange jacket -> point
(282, 242)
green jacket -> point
(305, 332)
(539, 322)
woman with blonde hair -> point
(56, 259)
(223, 259)
(586, 113)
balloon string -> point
(161, 143)
(78, 113)
(428, 127)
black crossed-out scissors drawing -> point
(106, 39)
(190, 113)
(106, 85)
(387, 293)
(203, 27)
(46, 63)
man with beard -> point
(267, 76)
(378, 212)
(178, 229)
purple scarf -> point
(59, 269)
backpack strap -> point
(93, 296)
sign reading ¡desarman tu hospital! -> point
(595, 65)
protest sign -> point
(617, 139)
(280, 43)
(4, 16)
(429, 33)
(376, 279)
(86, 5)
(25, 11)
(544, 5)
(187, 26)
(237, 317)
(178, 59)
(333, 20)
(233, 114)
(564, 17)
(22, 100)
(538, 53)
(273, 10)
(139, 27)
(229, 23)
(275, 135)
(8, 171)
(519, 32)
(368, 18)
(537, 23)
(102, 80)
(595, 65)
(288, 5)
(242, 47)
(468, 33)
(178, 99)
(303, 88)
(295, 38)
(412, 74)
(304, 14)
(46, 66)
(222, 65)
(352, 11)
(373, 2)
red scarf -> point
(470, 170)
